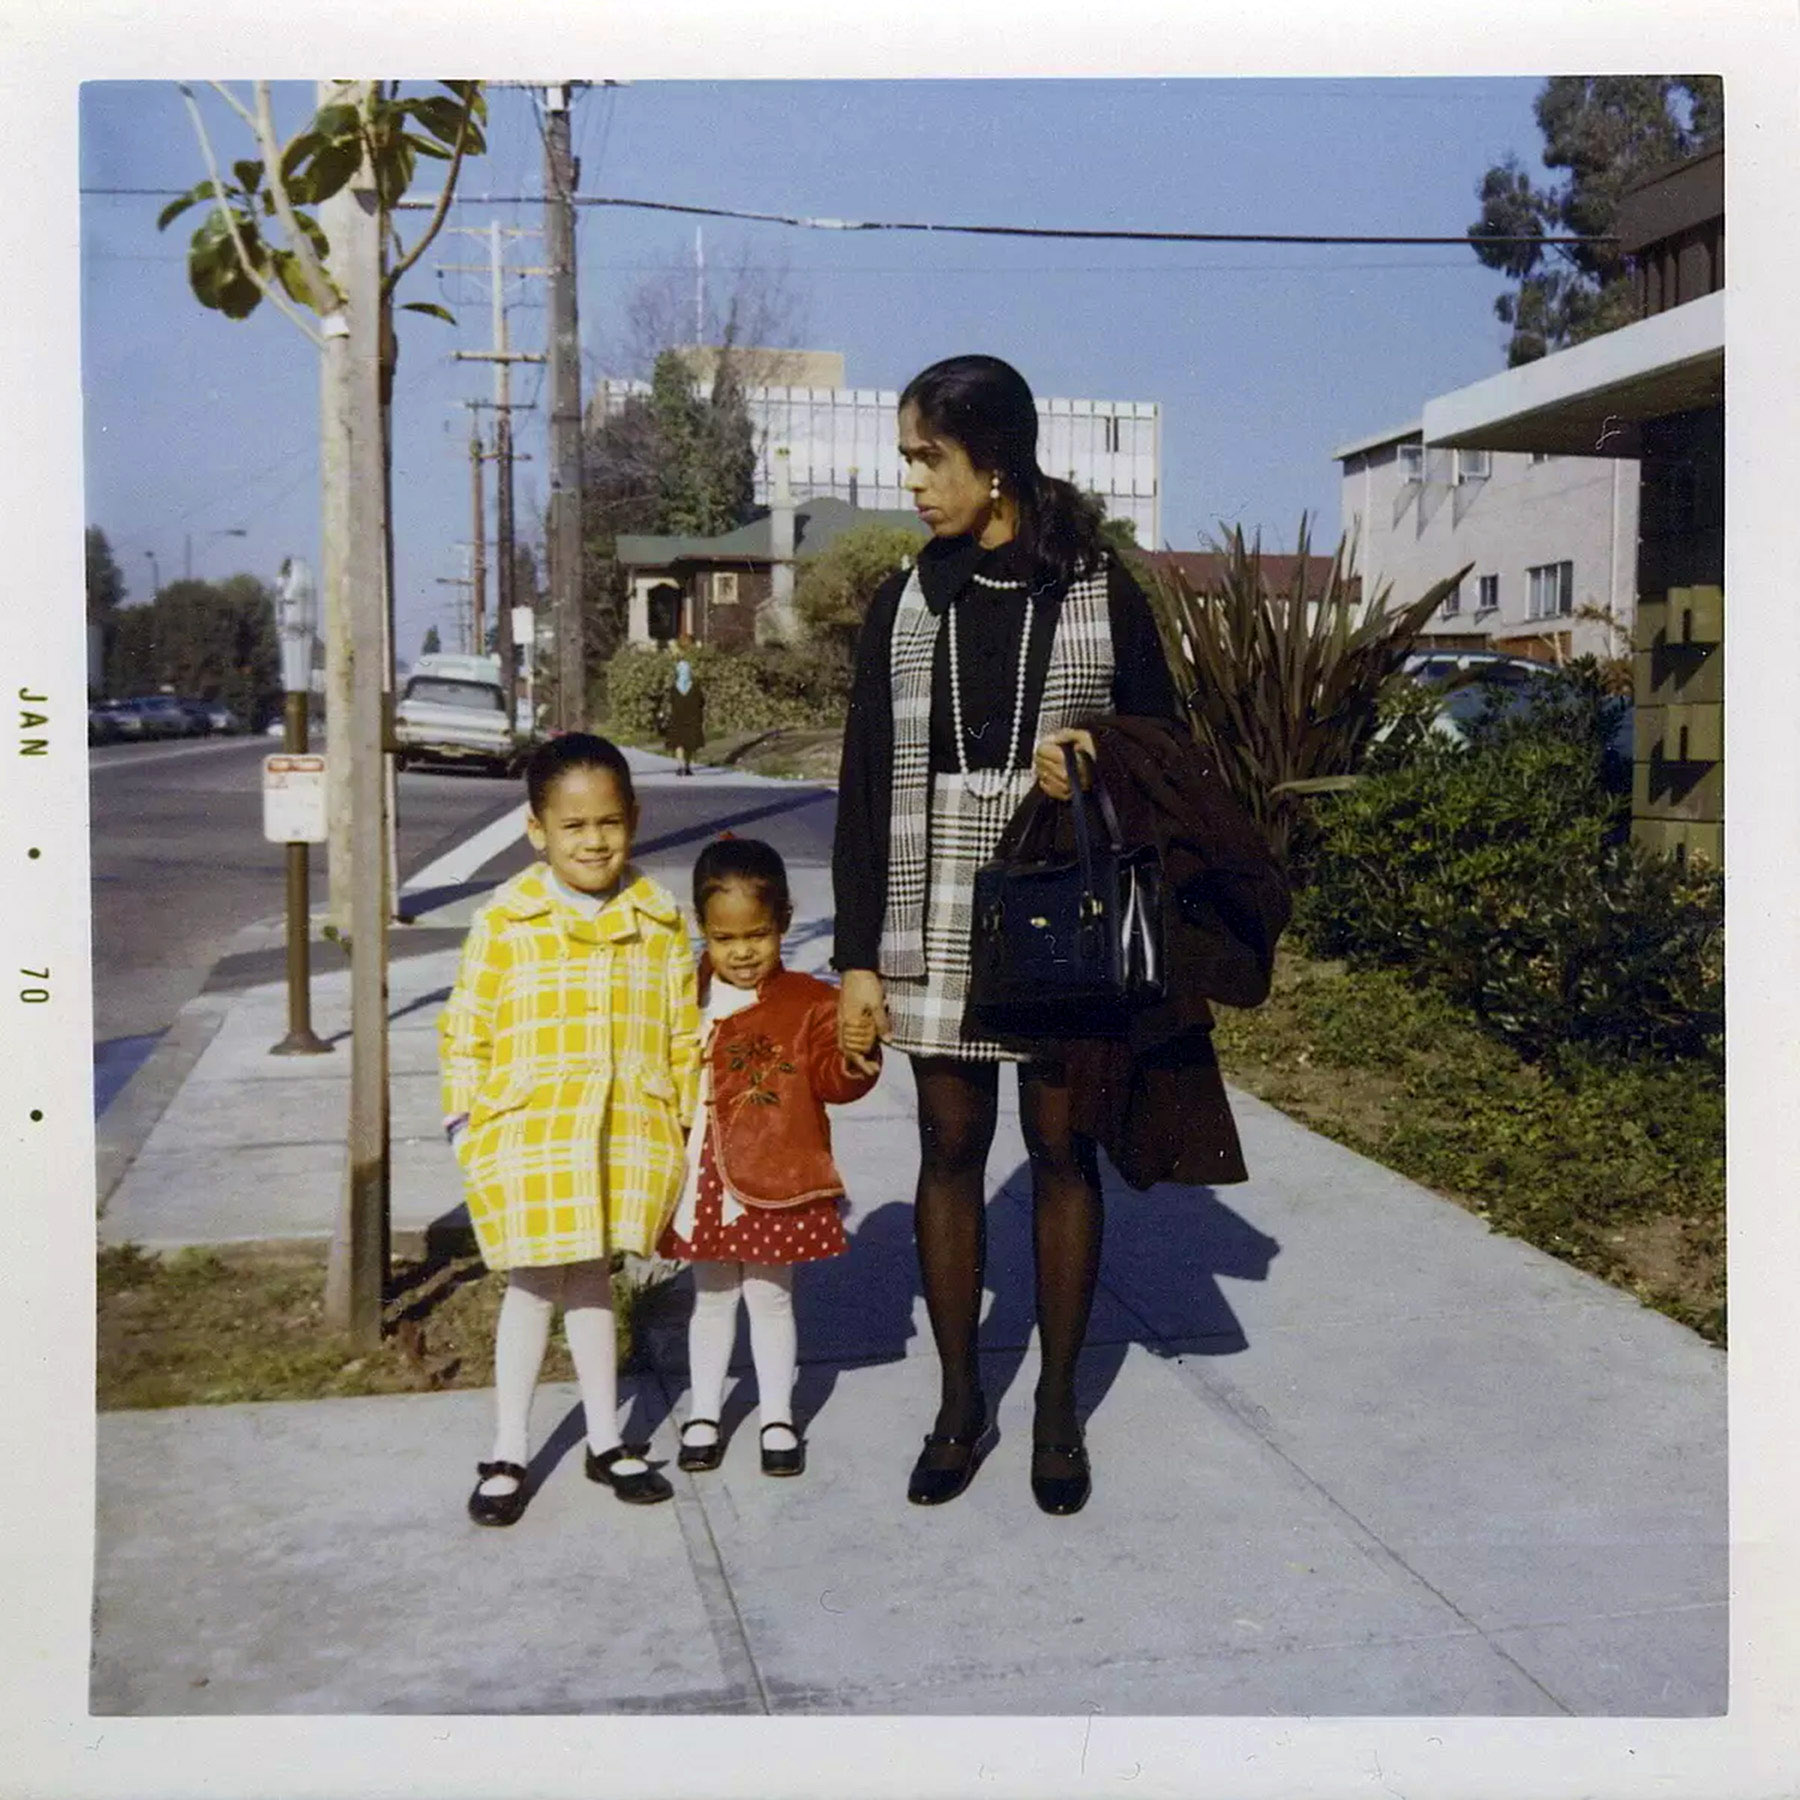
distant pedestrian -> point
(570, 1051)
(762, 1192)
(974, 668)
(684, 714)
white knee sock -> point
(711, 1333)
(774, 1345)
(588, 1325)
(520, 1339)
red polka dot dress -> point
(700, 1232)
(759, 1234)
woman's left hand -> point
(1047, 761)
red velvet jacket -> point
(775, 1068)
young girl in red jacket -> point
(762, 1192)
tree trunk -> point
(334, 533)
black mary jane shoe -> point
(1061, 1494)
(498, 1509)
(931, 1486)
(645, 1488)
(695, 1457)
(783, 1462)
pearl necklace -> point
(1001, 778)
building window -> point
(1110, 436)
(1552, 591)
(1487, 594)
(1411, 458)
(1540, 456)
(725, 587)
(1453, 602)
(1474, 465)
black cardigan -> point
(989, 623)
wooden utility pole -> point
(502, 356)
(462, 616)
(359, 1251)
(563, 533)
(477, 547)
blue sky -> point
(1263, 358)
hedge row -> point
(754, 689)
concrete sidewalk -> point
(1353, 1454)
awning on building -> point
(1590, 399)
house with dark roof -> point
(737, 588)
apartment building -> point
(1552, 539)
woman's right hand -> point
(860, 1005)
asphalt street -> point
(180, 868)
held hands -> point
(862, 1019)
(1047, 761)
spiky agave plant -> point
(1282, 687)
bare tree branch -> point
(236, 105)
(435, 224)
(270, 291)
(327, 295)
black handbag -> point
(1068, 949)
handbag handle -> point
(1084, 845)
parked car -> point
(221, 719)
(1452, 667)
(104, 723)
(163, 716)
(453, 710)
(199, 714)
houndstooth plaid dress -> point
(945, 826)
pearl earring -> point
(994, 489)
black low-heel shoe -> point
(783, 1462)
(644, 1488)
(498, 1509)
(1061, 1493)
(695, 1457)
(932, 1486)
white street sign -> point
(524, 627)
(294, 799)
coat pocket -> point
(500, 1093)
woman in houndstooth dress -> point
(974, 668)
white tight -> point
(584, 1291)
(768, 1293)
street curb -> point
(122, 1130)
(124, 1127)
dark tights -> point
(958, 1102)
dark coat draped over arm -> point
(1154, 1099)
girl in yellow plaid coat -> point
(570, 1051)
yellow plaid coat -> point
(574, 1046)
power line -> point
(1460, 264)
(1104, 234)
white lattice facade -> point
(841, 441)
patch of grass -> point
(1616, 1168)
(246, 1322)
(791, 751)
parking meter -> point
(296, 621)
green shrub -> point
(754, 689)
(1499, 875)
(832, 590)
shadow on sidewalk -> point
(1165, 1254)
